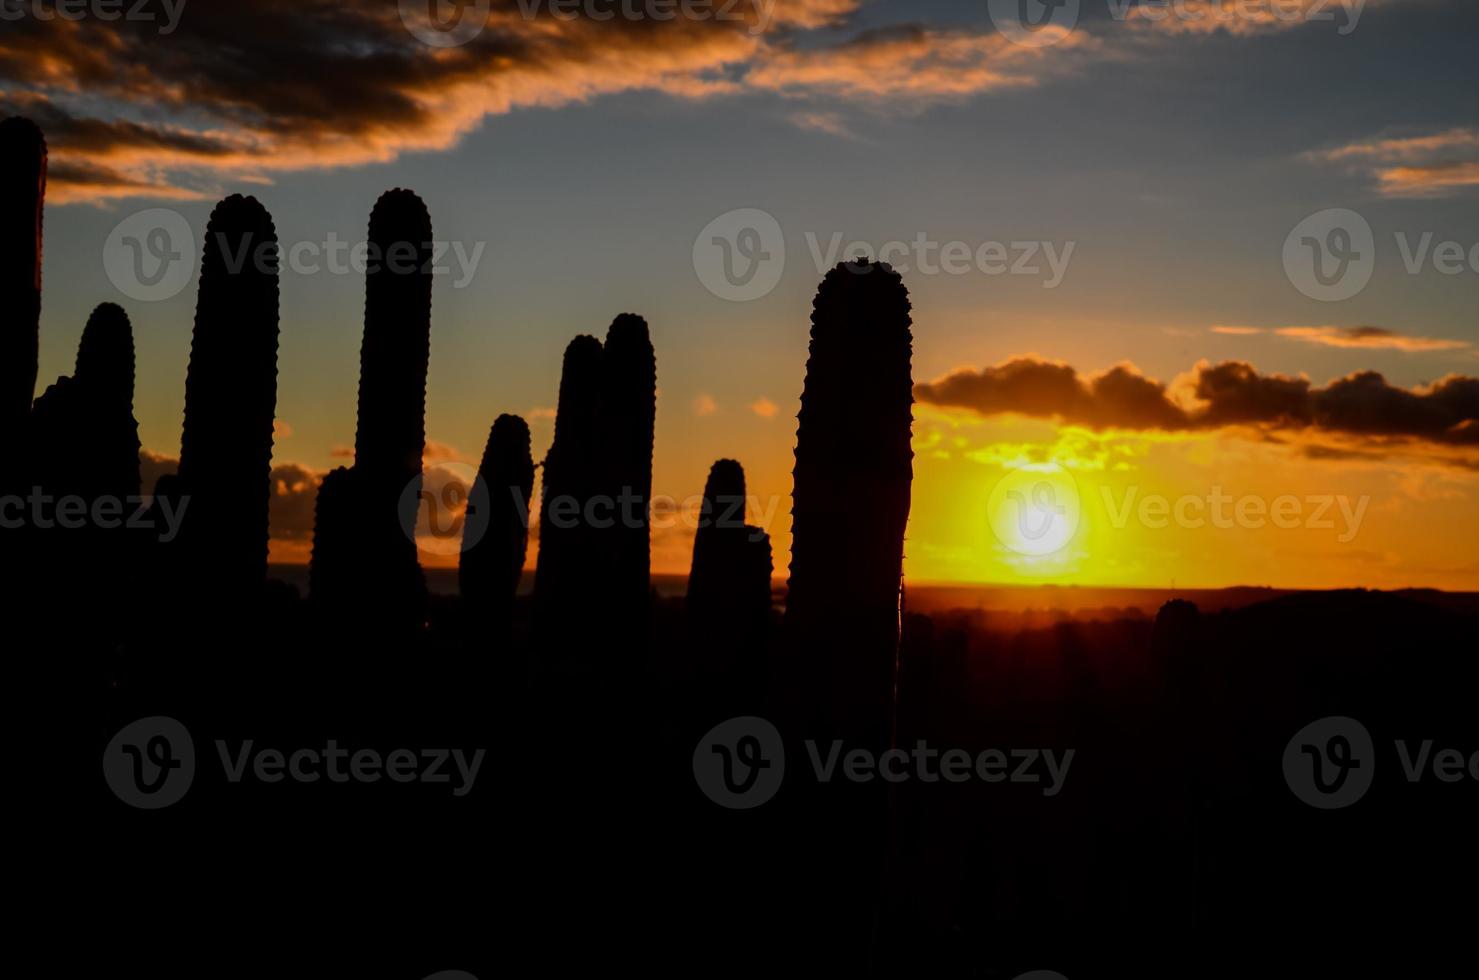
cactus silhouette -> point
(230, 399)
(729, 590)
(727, 585)
(332, 565)
(23, 175)
(850, 501)
(83, 437)
(569, 573)
(83, 442)
(495, 529)
(628, 412)
(369, 550)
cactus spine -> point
(850, 501)
(230, 400)
(495, 530)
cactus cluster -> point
(82, 436)
(230, 401)
(594, 534)
(850, 500)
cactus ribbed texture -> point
(495, 529)
(23, 176)
(569, 573)
(628, 412)
(391, 435)
(230, 400)
(850, 501)
(363, 552)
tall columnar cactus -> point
(850, 501)
(230, 399)
(629, 409)
(397, 344)
(569, 572)
(23, 177)
(495, 529)
(391, 435)
(364, 550)
(729, 588)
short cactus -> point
(495, 529)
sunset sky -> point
(1163, 161)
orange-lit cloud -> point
(1368, 338)
(208, 105)
(1362, 409)
(1432, 165)
(1362, 338)
(764, 407)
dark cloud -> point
(1363, 406)
(253, 86)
